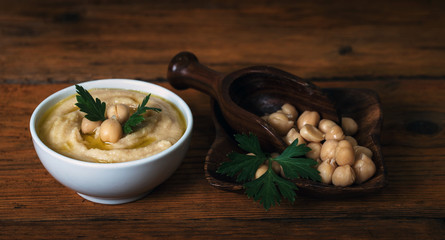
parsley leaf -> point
(245, 165)
(250, 143)
(270, 187)
(94, 109)
(136, 118)
(297, 167)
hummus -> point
(60, 129)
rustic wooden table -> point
(395, 49)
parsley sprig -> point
(94, 109)
(270, 187)
(136, 118)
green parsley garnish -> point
(136, 118)
(94, 109)
(270, 187)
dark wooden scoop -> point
(247, 94)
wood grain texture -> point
(34, 205)
(71, 41)
(394, 49)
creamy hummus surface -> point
(60, 129)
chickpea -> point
(262, 169)
(328, 150)
(351, 140)
(265, 117)
(276, 167)
(87, 126)
(274, 155)
(326, 169)
(315, 150)
(360, 149)
(292, 135)
(364, 168)
(335, 133)
(311, 133)
(121, 112)
(280, 122)
(111, 130)
(282, 173)
(349, 126)
(308, 117)
(325, 125)
(343, 176)
(344, 153)
(290, 111)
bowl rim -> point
(126, 84)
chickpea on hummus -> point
(60, 129)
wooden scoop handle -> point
(185, 71)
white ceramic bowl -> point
(113, 183)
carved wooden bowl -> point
(360, 104)
(243, 96)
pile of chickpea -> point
(341, 161)
(109, 130)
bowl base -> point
(113, 201)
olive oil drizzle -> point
(91, 142)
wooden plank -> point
(223, 228)
(73, 41)
(415, 174)
(394, 48)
